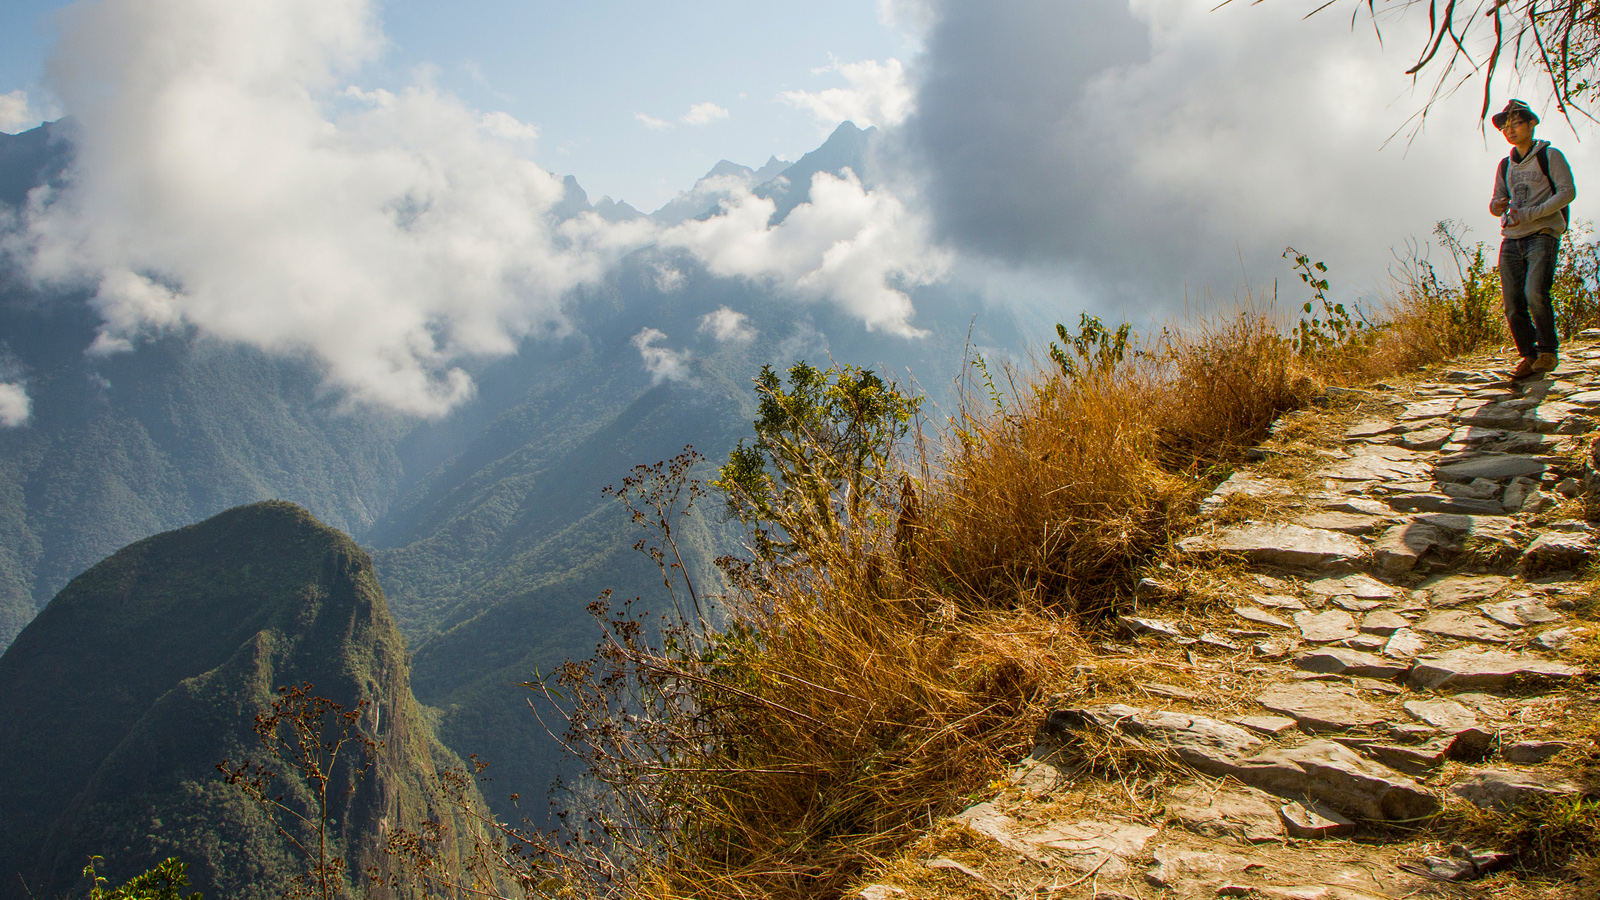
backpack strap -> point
(1544, 166)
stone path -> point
(1399, 638)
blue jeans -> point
(1527, 269)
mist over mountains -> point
(487, 527)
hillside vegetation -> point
(122, 697)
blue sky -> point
(580, 72)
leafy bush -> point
(160, 883)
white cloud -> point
(15, 406)
(853, 247)
(704, 114)
(668, 279)
(727, 325)
(225, 179)
(877, 95)
(652, 123)
(661, 363)
(16, 114)
(507, 127)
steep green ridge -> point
(119, 699)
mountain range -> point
(487, 529)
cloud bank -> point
(662, 363)
(878, 95)
(229, 178)
(15, 405)
(17, 114)
(1146, 146)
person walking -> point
(1533, 190)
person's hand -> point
(1499, 207)
(1513, 217)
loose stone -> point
(1443, 503)
(1554, 551)
(1226, 812)
(1464, 625)
(1260, 617)
(1453, 590)
(1559, 638)
(1426, 439)
(1474, 668)
(1324, 770)
(1314, 820)
(1358, 585)
(1268, 725)
(1399, 549)
(1278, 544)
(1501, 790)
(1520, 612)
(1355, 604)
(1404, 644)
(1494, 468)
(1354, 663)
(1383, 622)
(1320, 706)
(1532, 753)
(1445, 715)
(1326, 627)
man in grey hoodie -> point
(1532, 189)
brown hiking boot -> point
(1545, 362)
(1523, 370)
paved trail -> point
(1400, 639)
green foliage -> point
(1466, 313)
(1331, 327)
(160, 883)
(822, 446)
(1573, 295)
(1095, 349)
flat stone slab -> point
(1322, 706)
(1227, 811)
(1425, 439)
(1429, 409)
(1357, 585)
(1454, 590)
(1494, 468)
(1556, 550)
(1479, 669)
(1279, 544)
(1244, 484)
(1260, 617)
(1370, 428)
(1404, 644)
(1268, 725)
(1325, 627)
(1444, 503)
(1464, 625)
(1278, 601)
(1203, 743)
(1520, 612)
(1355, 604)
(1383, 622)
(1354, 663)
(1400, 548)
(1333, 774)
(1445, 715)
(1346, 523)
(1559, 638)
(1365, 506)
(1314, 820)
(1104, 847)
(1502, 790)
(1373, 467)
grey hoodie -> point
(1529, 190)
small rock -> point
(1429, 409)
(1320, 706)
(1243, 484)
(1279, 601)
(1445, 715)
(1470, 744)
(1340, 661)
(1502, 790)
(1426, 439)
(879, 892)
(1203, 743)
(1218, 642)
(1366, 643)
(1464, 625)
(1532, 753)
(1326, 627)
(1314, 820)
(1471, 435)
(1413, 759)
(1461, 865)
(1404, 644)
(1474, 668)
(1383, 622)
(1411, 733)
